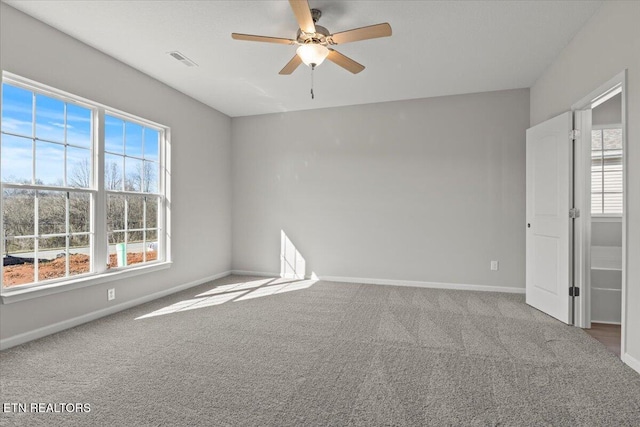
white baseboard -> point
(631, 361)
(606, 323)
(388, 282)
(70, 323)
(418, 284)
(254, 273)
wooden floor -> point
(609, 335)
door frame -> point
(582, 190)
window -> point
(606, 171)
(60, 219)
(131, 182)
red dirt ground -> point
(20, 274)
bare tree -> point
(81, 174)
(144, 178)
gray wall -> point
(426, 190)
(200, 164)
(606, 233)
(608, 113)
(613, 36)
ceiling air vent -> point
(180, 57)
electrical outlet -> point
(111, 294)
(494, 265)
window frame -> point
(100, 272)
(602, 128)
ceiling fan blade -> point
(344, 61)
(291, 65)
(303, 15)
(364, 33)
(252, 38)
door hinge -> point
(574, 134)
(574, 213)
(574, 291)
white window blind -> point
(606, 171)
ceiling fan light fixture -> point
(312, 54)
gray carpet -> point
(229, 353)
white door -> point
(549, 199)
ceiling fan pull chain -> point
(313, 67)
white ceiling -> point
(437, 47)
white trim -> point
(255, 273)
(586, 104)
(70, 323)
(631, 361)
(604, 322)
(586, 101)
(607, 218)
(419, 284)
(389, 282)
(582, 225)
(609, 126)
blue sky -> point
(121, 137)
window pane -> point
(596, 203)
(596, 164)
(152, 212)
(17, 159)
(151, 144)
(612, 160)
(613, 181)
(612, 138)
(79, 212)
(612, 203)
(113, 168)
(117, 250)
(17, 110)
(115, 212)
(49, 163)
(596, 182)
(79, 255)
(18, 210)
(114, 135)
(19, 257)
(596, 140)
(79, 167)
(133, 139)
(135, 247)
(51, 247)
(135, 208)
(51, 212)
(52, 258)
(49, 118)
(133, 174)
(150, 177)
(78, 125)
(151, 238)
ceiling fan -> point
(314, 41)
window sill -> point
(14, 295)
(606, 218)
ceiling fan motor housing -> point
(319, 37)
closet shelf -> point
(606, 258)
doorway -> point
(576, 212)
(601, 237)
